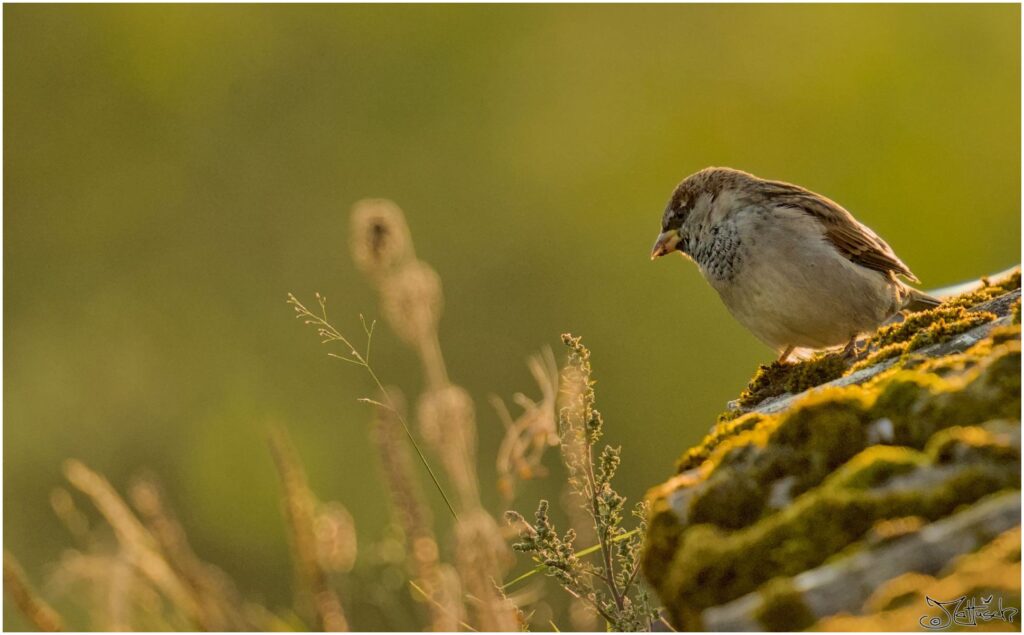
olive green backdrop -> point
(171, 172)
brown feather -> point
(852, 239)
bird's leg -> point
(786, 353)
(850, 350)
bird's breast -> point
(719, 252)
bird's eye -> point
(675, 213)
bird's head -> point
(690, 205)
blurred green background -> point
(170, 172)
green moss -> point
(895, 528)
(921, 329)
(725, 430)
(727, 416)
(779, 378)
(915, 322)
(972, 443)
(919, 403)
(828, 426)
(711, 567)
(989, 291)
(877, 465)
(664, 533)
(904, 598)
(880, 355)
(742, 460)
(782, 607)
(955, 363)
(728, 500)
(1001, 334)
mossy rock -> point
(841, 470)
(782, 607)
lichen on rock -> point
(899, 440)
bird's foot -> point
(850, 350)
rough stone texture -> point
(834, 508)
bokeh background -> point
(171, 172)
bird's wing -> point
(846, 233)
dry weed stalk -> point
(71, 517)
(136, 543)
(435, 581)
(149, 579)
(300, 508)
(221, 603)
(574, 384)
(411, 302)
(35, 609)
(118, 598)
(530, 434)
(611, 587)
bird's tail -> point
(920, 301)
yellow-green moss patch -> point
(976, 443)
(779, 378)
(838, 451)
(742, 460)
(782, 607)
(842, 468)
(989, 290)
(921, 329)
(725, 430)
(710, 567)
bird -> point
(792, 266)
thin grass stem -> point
(428, 598)
(329, 333)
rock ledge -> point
(837, 493)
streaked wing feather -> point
(849, 236)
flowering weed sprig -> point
(610, 586)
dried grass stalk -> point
(71, 517)
(220, 601)
(335, 532)
(573, 385)
(35, 609)
(300, 505)
(529, 435)
(448, 423)
(480, 553)
(135, 540)
(437, 582)
(411, 304)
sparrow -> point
(792, 266)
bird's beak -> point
(666, 243)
